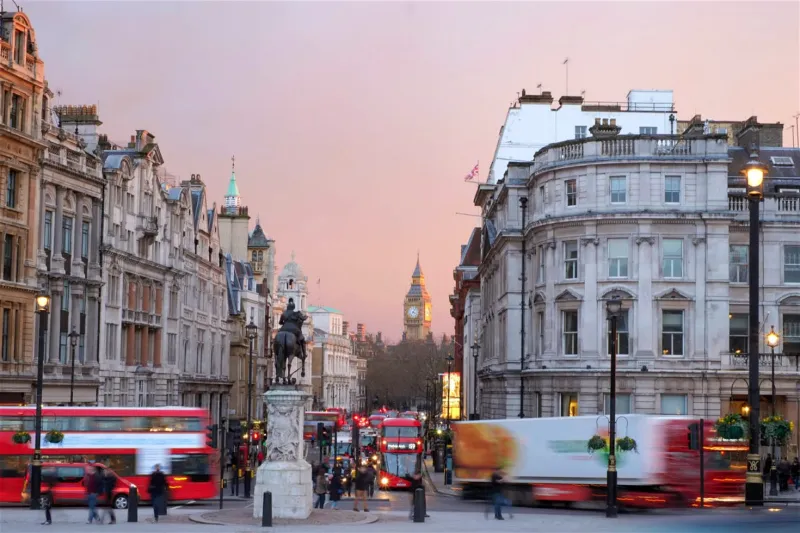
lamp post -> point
(73, 342)
(42, 304)
(613, 307)
(449, 387)
(754, 171)
(476, 348)
(772, 341)
(252, 333)
(523, 204)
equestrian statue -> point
(289, 343)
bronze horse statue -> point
(288, 344)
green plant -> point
(731, 426)
(627, 444)
(21, 437)
(54, 436)
(777, 428)
(596, 443)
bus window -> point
(189, 465)
(13, 465)
(108, 423)
(400, 464)
(391, 432)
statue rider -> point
(292, 321)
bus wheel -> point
(120, 501)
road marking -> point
(190, 502)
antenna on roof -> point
(566, 66)
(16, 4)
(539, 86)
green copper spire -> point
(233, 189)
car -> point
(68, 488)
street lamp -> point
(449, 387)
(772, 341)
(73, 342)
(523, 204)
(476, 348)
(613, 307)
(42, 305)
(754, 171)
(252, 333)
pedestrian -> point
(109, 482)
(361, 482)
(372, 476)
(48, 481)
(784, 469)
(335, 490)
(93, 483)
(796, 473)
(158, 492)
(320, 488)
(260, 457)
(767, 467)
(498, 498)
(416, 483)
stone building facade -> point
(69, 237)
(660, 222)
(24, 105)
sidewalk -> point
(787, 496)
(436, 481)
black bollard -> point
(266, 510)
(419, 505)
(133, 504)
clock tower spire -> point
(417, 307)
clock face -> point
(413, 312)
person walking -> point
(361, 482)
(320, 488)
(109, 482)
(335, 490)
(796, 473)
(49, 481)
(372, 476)
(158, 492)
(498, 498)
(93, 483)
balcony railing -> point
(740, 361)
(630, 147)
(783, 206)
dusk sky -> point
(354, 124)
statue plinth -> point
(285, 472)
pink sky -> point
(354, 124)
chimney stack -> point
(84, 118)
(604, 129)
(361, 331)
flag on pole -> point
(473, 174)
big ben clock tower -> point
(417, 308)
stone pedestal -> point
(285, 472)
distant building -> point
(770, 136)
(417, 308)
(334, 350)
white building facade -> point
(338, 365)
(642, 218)
(533, 122)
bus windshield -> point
(400, 464)
(402, 431)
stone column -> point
(157, 349)
(146, 298)
(645, 343)
(95, 241)
(15, 252)
(55, 323)
(285, 472)
(160, 300)
(41, 256)
(12, 332)
(56, 259)
(552, 274)
(76, 293)
(588, 316)
(92, 324)
(130, 346)
(77, 238)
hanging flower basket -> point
(731, 427)
(21, 437)
(596, 443)
(54, 436)
(775, 427)
(627, 444)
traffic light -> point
(694, 436)
(326, 437)
(355, 437)
(320, 431)
(211, 436)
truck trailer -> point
(550, 460)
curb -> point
(198, 519)
(435, 488)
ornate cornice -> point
(590, 240)
(649, 240)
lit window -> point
(738, 337)
(672, 332)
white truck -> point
(550, 459)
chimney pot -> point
(597, 122)
(133, 138)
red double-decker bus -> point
(312, 418)
(400, 449)
(130, 441)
